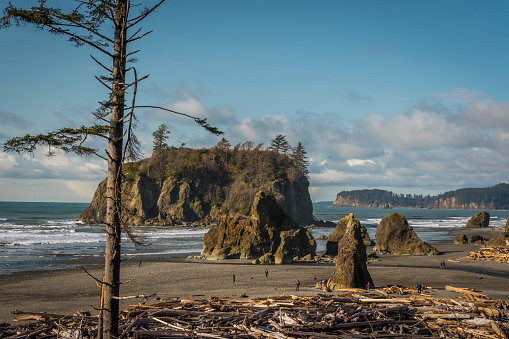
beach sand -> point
(72, 290)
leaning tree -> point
(109, 27)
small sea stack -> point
(480, 220)
(395, 236)
(351, 260)
(339, 231)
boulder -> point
(268, 234)
(479, 220)
(477, 239)
(322, 237)
(395, 236)
(351, 267)
(339, 231)
(501, 241)
(506, 229)
(461, 239)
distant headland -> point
(496, 197)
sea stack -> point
(339, 231)
(395, 236)
(479, 220)
(351, 261)
(267, 234)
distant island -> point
(323, 203)
(496, 197)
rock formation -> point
(500, 241)
(267, 234)
(479, 220)
(395, 236)
(461, 239)
(351, 261)
(477, 239)
(200, 195)
(339, 231)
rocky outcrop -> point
(477, 239)
(501, 241)
(395, 236)
(479, 220)
(351, 261)
(339, 231)
(267, 233)
(175, 202)
(461, 239)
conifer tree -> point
(299, 158)
(160, 136)
(104, 25)
(279, 144)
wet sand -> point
(72, 290)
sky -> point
(407, 96)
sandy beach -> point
(72, 290)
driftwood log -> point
(350, 315)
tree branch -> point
(202, 122)
(138, 19)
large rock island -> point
(268, 234)
(181, 186)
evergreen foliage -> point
(160, 136)
(299, 158)
(279, 144)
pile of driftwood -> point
(500, 254)
(351, 315)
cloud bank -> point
(448, 141)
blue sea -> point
(42, 236)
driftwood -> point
(350, 315)
(500, 254)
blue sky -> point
(408, 96)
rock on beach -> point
(395, 236)
(268, 234)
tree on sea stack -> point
(104, 25)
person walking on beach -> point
(367, 287)
(419, 288)
(266, 273)
(234, 278)
(298, 284)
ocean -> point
(45, 236)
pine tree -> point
(104, 25)
(279, 144)
(160, 136)
(299, 158)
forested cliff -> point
(496, 197)
(183, 185)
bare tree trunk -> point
(114, 182)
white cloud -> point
(420, 130)
(264, 129)
(61, 166)
(360, 162)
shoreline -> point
(67, 291)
